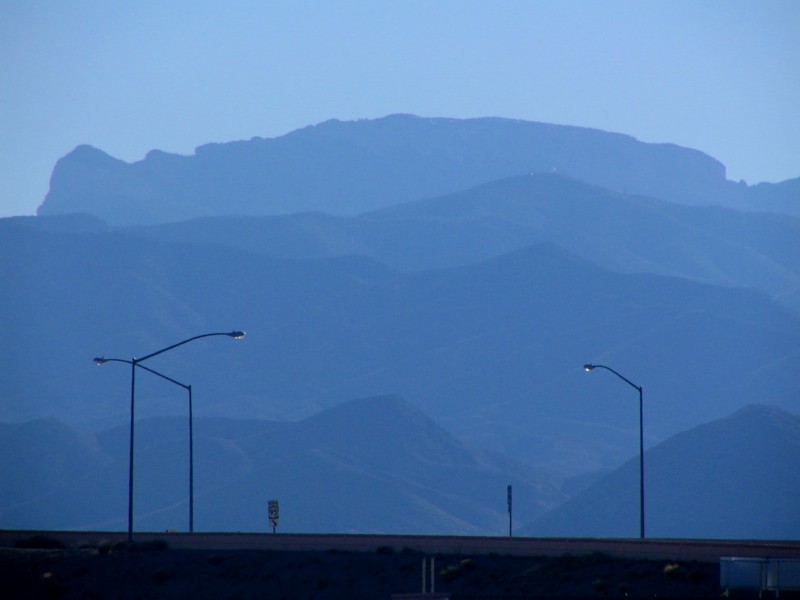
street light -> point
(102, 360)
(589, 367)
(135, 362)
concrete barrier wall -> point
(703, 550)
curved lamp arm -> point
(237, 335)
(100, 360)
(589, 367)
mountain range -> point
(492, 351)
(346, 168)
(375, 464)
(622, 232)
(470, 267)
(380, 465)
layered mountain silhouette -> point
(622, 232)
(469, 266)
(492, 351)
(346, 168)
(380, 465)
(40, 458)
(370, 465)
(737, 477)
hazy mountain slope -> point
(492, 351)
(66, 223)
(737, 477)
(299, 235)
(349, 167)
(39, 459)
(780, 197)
(621, 232)
(515, 331)
(375, 464)
(72, 297)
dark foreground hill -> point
(373, 465)
(737, 477)
(351, 167)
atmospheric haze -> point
(134, 76)
(427, 217)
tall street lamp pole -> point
(590, 367)
(135, 362)
(102, 360)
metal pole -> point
(130, 455)
(424, 570)
(590, 367)
(191, 465)
(641, 467)
(134, 362)
(509, 511)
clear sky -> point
(128, 77)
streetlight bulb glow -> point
(100, 360)
(237, 335)
(588, 367)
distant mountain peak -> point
(383, 419)
(350, 167)
(383, 407)
(88, 151)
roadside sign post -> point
(509, 511)
(272, 507)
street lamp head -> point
(237, 335)
(588, 367)
(99, 360)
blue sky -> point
(128, 77)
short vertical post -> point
(273, 514)
(424, 571)
(509, 511)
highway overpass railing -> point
(760, 574)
